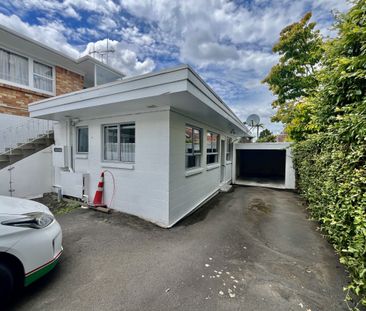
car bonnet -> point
(16, 206)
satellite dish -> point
(253, 120)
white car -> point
(30, 243)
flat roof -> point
(177, 80)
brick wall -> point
(68, 81)
(15, 100)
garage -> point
(264, 164)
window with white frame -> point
(212, 148)
(229, 149)
(82, 139)
(14, 68)
(42, 77)
(18, 69)
(119, 142)
(193, 147)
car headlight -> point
(36, 220)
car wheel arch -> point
(15, 265)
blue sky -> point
(227, 42)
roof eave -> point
(178, 73)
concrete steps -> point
(22, 151)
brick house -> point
(31, 71)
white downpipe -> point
(69, 144)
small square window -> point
(119, 143)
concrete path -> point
(250, 249)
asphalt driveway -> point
(251, 249)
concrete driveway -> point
(251, 249)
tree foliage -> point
(331, 162)
(293, 78)
(266, 136)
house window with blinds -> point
(193, 147)
(212, 148)
(42, 77)
(14, 68)
(119, 143)
(17, 69)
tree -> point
(331, 162)
(293, 78)
(266, 136)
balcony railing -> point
(24, 133)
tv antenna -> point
(101, 53)
(253, 122)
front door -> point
(222, 161)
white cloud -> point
(134, 36)
(63, 8)
(100, 6)
(122, 58)
(230, 44)
(67, 8)
(50, 34)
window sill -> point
(212, 166)
(81, 156)
(27, 88)
(122, 166)
(194, 171)
(229, 162)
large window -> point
(18, 69)
(42, 77)
(82, 139)
(212, 148)
(119, 142)
(14, 68)
(193, 147)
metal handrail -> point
(24, 133)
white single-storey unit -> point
(165, 137)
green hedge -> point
(331, 162)
(332, 178)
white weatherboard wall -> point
(31, 176)
(141, 188)
(186, 190)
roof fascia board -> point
(204, 97)
(263, 146)
(110, 99)
(166, 76)
(211, 94)
(186, 78)
(130, 93)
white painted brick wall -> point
(142, 191)
(186, 192)
(157, 189)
